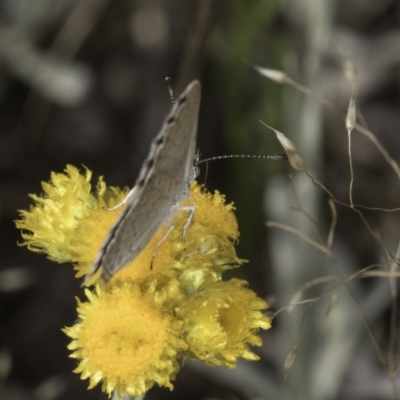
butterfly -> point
(164, 180)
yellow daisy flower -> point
(52, 226)
(125, 340)
(49, 226)
(193, 257)
(221, 321)
(132, 333)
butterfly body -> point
(164, 180)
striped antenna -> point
(269, 156)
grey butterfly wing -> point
(163, 182)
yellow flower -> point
(134, 331)
(126, 340)
(195, 257)
(67, 222)
(49, 226)
(221, 321)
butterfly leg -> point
(124, 201)
(191, 210)
(153, 256)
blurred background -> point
(83, 83)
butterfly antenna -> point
(269, 156)
(206, 173)
(170, 90)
